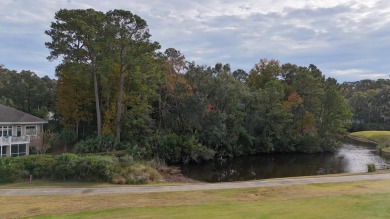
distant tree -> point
(240, 75)
(27, 92)
(263, 72)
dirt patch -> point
(173, 174)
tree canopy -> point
(114, 81)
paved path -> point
(191, 187)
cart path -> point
(192, 187)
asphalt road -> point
(192, 187)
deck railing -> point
(8, 140)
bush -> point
(95, 168)
(67, 166)
(67, 136)
(308, 144)
(19, 168)
(371, 167)
(105, 143)
(11, 171)
(38, 166)
(178, 148)
(136, 174)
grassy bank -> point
(334, 200)
(381, 138)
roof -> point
(9, 115)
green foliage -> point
(19, 168)
(368, 101)
(27, 92)
(95, 168)
(104, 143)
(11, 171)
(65, 167)
(72, 167)
(309, 144)
(159, 104)
(371, 167)
(67, 136)
(177, 148)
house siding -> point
(33, 141)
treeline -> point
(369, 101)
(113, 81)
(27, 92)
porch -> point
(8, 140)
(14, 146)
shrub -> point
(105, 143)
(309, 144)
(371, 167)
(18, 168)
(136, 174)
(11, 171)
(67, 136)
(178, 148)
(64, 167)
(72, 167)
(38, 166)
(95, 168)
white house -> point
(19, 131)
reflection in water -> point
(350, 158)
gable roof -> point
(9, 115)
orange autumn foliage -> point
(293, 100)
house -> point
(19, 131)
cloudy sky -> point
(347, 39)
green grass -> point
(343, 206)
(377, 136)
(54, 184)
(365, 199)
(381, 138)
(72, 184)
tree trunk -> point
(97, 101)
(119, 106)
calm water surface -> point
(352, 157)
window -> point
(18, 150)
(5, 131)
(31, 130)
(22, 149)
(14, 150)
(18, 131)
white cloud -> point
(333, 34)
(356, 74)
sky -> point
(346, 39)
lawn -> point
(346, 206)
(334, 200)
(378, 136)
(39, 183)
(381, 138)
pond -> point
(351, 157)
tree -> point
(382, 100)
(129, 41)
(27, 92)
(334, 120)
(263, 72)
(77, 37)
(240, 75)
(74, 95)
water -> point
(352, 157)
